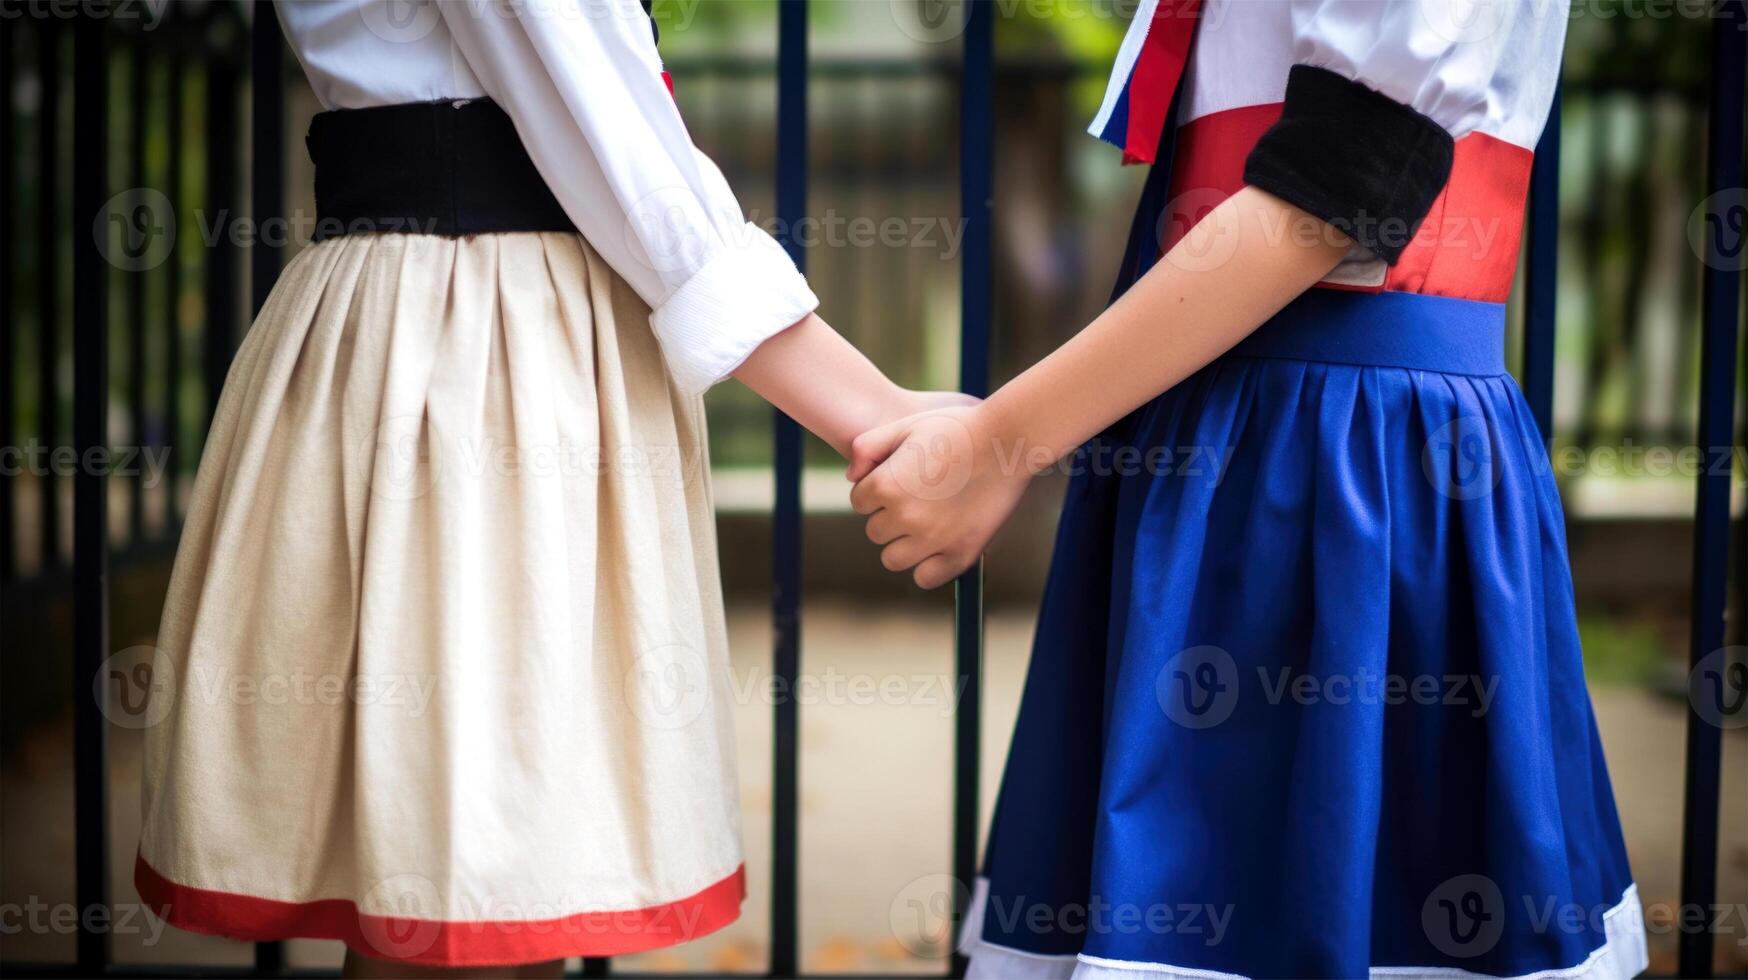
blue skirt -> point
(1306, 697)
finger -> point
(869, 494)
(883, 527)
(903, 553)
(871, 448)
(937, 570)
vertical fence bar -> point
(1542, 275)
(786, 514)
(976, 298)
(219, 334)
(173, 296)
(267, 207)
(1722, 285)
(90, 544)
(267, 133)
(136, 293)
(48, 282)
(8, 295)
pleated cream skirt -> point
(443, 670)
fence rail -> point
(199, 47)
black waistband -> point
(436, 168)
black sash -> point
(435, 168)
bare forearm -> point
(1239, 266)
(823, 382)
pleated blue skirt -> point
(1306, 696)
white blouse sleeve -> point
(1380, 91)
(1466, 65)
(583, 84)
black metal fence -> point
(186, 75)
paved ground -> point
(875, 796)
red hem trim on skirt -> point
(432, 942)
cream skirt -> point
(443, 670)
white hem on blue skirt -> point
(1621, 956)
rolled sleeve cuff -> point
(1367, 165)
(745, 294)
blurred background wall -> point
(876, 771)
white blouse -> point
(1482, 71)
(582, 82)
(1487, 66)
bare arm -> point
(1236, 268)
(817, 378)
(1232, 272)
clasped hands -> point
(935, 487)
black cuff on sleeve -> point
(1365, 163)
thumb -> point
(871, 448)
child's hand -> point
(936, 487)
